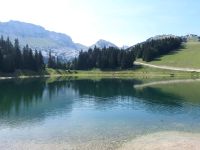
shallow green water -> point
(88, 114)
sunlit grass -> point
(187, 57)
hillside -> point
(186, 57)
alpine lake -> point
(94, 114)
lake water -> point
(93, 114)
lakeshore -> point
(172, 140)
(137, 72)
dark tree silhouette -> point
(106, 58)
(152, 49)
(13, 58)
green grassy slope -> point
(187, 57)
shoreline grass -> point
(136, 72)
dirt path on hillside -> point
(168, 67)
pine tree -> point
(18, 55)
(41, 61)
(31, 61)
(1, 60)
(51, 61)
(26, 57)
(36, 57)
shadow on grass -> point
(135, 67)
(182, 47)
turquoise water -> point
(89, 114)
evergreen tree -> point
(8, 63)
(1, 60)
(50, 61)
(26, 57)
(41, 65)
(36, 65)
(18, 55)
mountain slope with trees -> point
(188, 56)
(155, 48)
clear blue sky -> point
(123, 22)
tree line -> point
(114, 58)
(106, 58)
(152, 49)
(13, 58)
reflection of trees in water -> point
(104, 93)
(156, 100)
(13, 93)
(30, 99)
(157, 97)
(105, 88)
(57, 86)
(34, 98)
(107, 93)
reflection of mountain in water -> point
(35, 99)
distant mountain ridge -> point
(103, 44)
(39, 38)
(61, 45)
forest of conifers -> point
(13, 58)
(115, 58)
